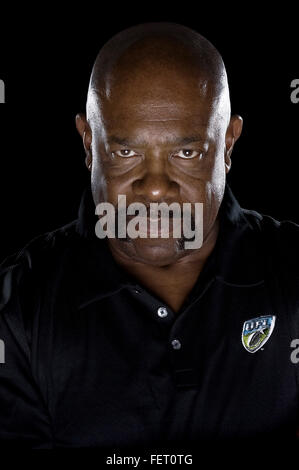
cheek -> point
(99, 182)
(116, 186)
(105, 182)
(219, 171)
(214, 192)
(205, 178)
(218, 175)
(210, 188)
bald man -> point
(121, 341)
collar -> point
(239, 249)
(98, 274)
(236, 259)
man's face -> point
(159, 139)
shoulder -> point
(271, 227)
(279, 238)
(35, 260)
(41, 246)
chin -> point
(157, 252)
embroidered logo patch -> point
(257, 331)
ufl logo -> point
(257, 331)
(2, 91)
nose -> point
(155, 185)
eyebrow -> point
(127, 143)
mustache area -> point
(154, 220)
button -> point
(162, 312)
(137, 291)
(176, 344)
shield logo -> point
(257, 331)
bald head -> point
(160, 62)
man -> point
(128, 341)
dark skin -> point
(160, 131)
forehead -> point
(159, 98)
(144, 119)
(155, 90)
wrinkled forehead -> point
(191, 103)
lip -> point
(156, 230)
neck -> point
(171, 283)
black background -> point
(46, 58)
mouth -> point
(151, 223)
(159, 227)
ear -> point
(232, 134)
(84, 130)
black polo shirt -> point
(93, 359)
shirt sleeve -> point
(24, 419)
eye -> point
(125, 153)
(188, 153)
